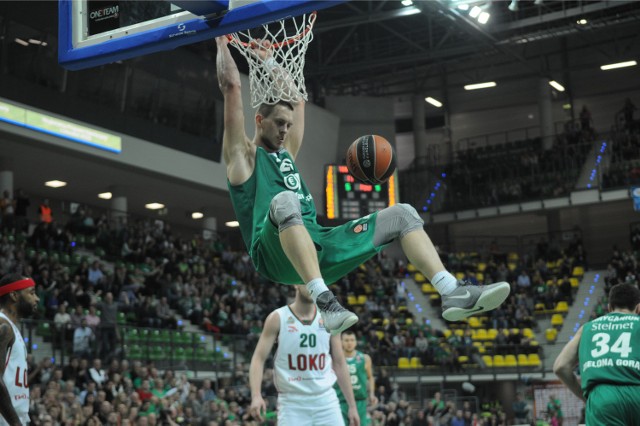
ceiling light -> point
(105, 195)
(566, 106)
(434, 102)
(538, 2)
(513, 6)
(559, 87)
(475, 11)
(21, 41)
(34, 41)
(154, 206)
(484, 17)
(463, 6)
(618, 65)
(44, 43)
(197, 215)
(232, 224)
(55, 184)
(480, 85)
(407, 2)
(582, 21)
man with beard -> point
(18, 300)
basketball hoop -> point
(275, 53)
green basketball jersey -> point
(609, 351)
(273, 173)
(358, 372)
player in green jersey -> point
(607, 350)
(277, 215)
(362, 381)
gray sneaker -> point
(336, 318)
(468, 300)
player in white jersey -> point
(307, 363)
(18, 300)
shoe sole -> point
(488, 301)
(346, 324)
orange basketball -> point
(371, 159)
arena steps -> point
(591, 289)
(419, 305)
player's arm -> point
(344, 378)
(371, 383)
(7, 338)
(567, 362)
(236, 147)
(256, 370)
(295, 135)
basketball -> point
(371, 159)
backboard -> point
(97, 32)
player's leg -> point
(459, 301)
(299, 248)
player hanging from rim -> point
(277, 215)
(18, 300)
(607, 351)
(362, 381)
(306, 365)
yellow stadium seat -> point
(534, 360)
(404, 363)
(512, 257)
(409, 321)
(415, 362)
(375, 321)
(562, 307)
(474, 322)
(551, 265)
(492, 333)
(481, 334)
(557, 320)
(447, 333)
(539, 307)
(534, 343)
(488, 360)
(362, 267)
(551, 334)
(459, 275)
(352, 300)
(459, 332)
(528, 333)
(419, 278)
(402, 308)
(480, 277)
(559, 262)
(425, 287)
(510, 361)
(463, 359)
(498, 361)
(380, 334)
(411, 268)
(512, 266)
(578, 271)
(514, 331)
(481, 267)
(434, 297)
(385, 321)
(362, 299)
(523, 360)
(574, 282)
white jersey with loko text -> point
(16, 374)
(303, 359)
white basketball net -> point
(275, 53)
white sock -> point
(316, 287)
(444, 282)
